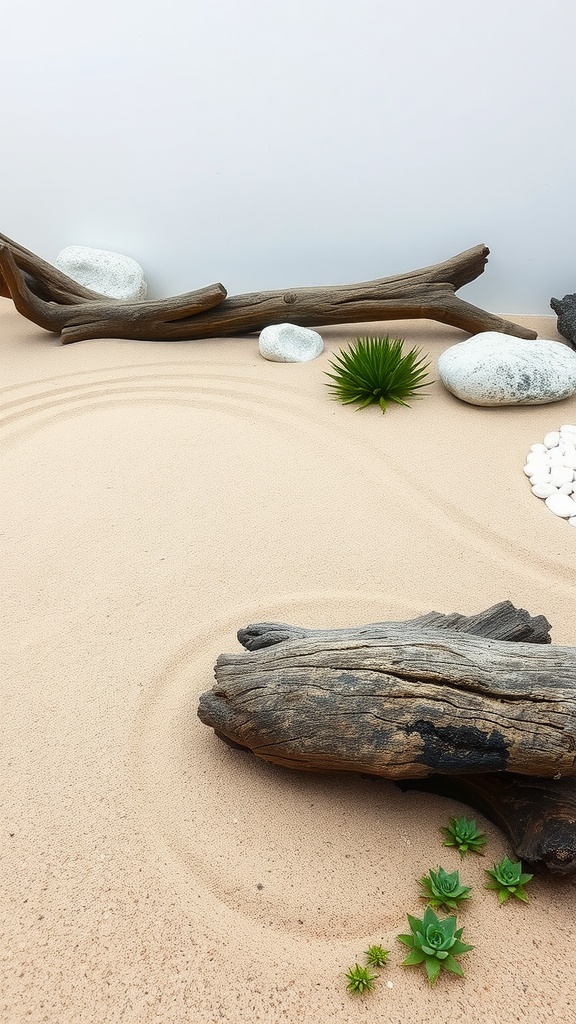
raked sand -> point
(155, 498)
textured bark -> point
(538, 814)
(56, 303)
(416, 701)
(501, 621)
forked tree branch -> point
(56, 303)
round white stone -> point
(572, 521)
(569, 457)
(495, 369)
(108, 273)
(538, 448)
(287, 343)
(544, 490)
(561, 505)
(541, 478)
(561, 475)
(552, 440)
(566, 488)
(556, 457)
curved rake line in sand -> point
(436, 508)
(170, 686)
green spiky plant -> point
(376, 956)
(508, 879)
(443, 889)
(435, 944)
(463, 834)
(376, 370)
(360, 980)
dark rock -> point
(565, 310)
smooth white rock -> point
(561, 475)
(570, 427)
(109, 273)
(532, 467)
(569, 457)
(539, 457)
(540, 478)
(287, 343)
(544, 490)
(538, 448)
(552, 439)
(495, 369)
(561, 505)
(556, 457)
(566, 488)
(572, 521)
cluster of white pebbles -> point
(551, 468)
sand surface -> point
(155, 498)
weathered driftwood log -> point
(537, 814)
(502, 621)
(416, 701)
(57, 304)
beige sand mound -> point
(155, 498)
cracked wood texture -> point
(538, 815)
(415, 701)
(56, 303)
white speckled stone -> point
(495, 369)
(287, 343)
(109, 273)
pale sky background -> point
(274, 144)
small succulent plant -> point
(376, 956)
(360, 980)
(376, 370)
(443, 889)
(508, 879)
(463, 834)
(435, 944)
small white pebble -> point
(551, 468)
(556, 456)
(561, 475)
(543, 490)
(561, 505)
(541, 477)
(390, 984)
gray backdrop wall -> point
(272, 143)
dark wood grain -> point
(57, 304)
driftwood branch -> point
(537, 813)
(56, 303)
(415, 701)
(500, 622)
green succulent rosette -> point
(435, 943)
(508, 880)
(443, 889)
(463, 834)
